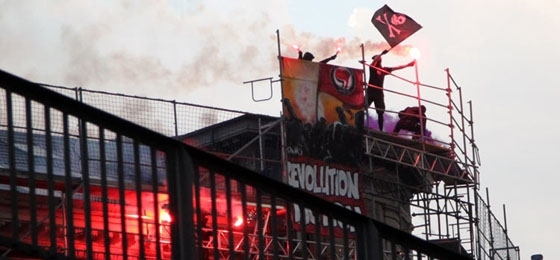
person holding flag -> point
(377, 75)
(394, 27)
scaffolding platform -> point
(425, 156)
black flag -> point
(395, 27)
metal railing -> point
(78, 182)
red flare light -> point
(165, 217)
(137, 216)
(414, 53)
(295, 46)
(238, 222)
(338, 49)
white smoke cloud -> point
(129, 45)
(163, 49)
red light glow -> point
(238, 222)
(338, 49)
(295, 46)
(137, 216)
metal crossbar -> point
(443, 166)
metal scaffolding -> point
(443, 200)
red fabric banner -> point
(343, 83)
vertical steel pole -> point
(450, 111)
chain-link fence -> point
(259, 150)
(168, 117)
(493, 240)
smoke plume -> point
(164, 49)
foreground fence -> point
(79, 183)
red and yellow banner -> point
(323, 118)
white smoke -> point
(164, 49)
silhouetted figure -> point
(409, 119)
(375, 87)
(297, 132)
(309, 57)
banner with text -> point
(323, 118)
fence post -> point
(180, 171)
(369, 242)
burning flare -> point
(414, 52)
(238, 222)
(165, 217)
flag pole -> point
(365, 86)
